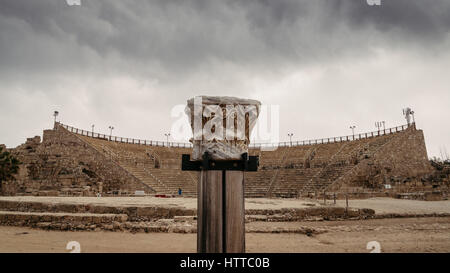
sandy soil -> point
(380, 205)
(394, 235)
(390, 205)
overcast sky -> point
(328, 64)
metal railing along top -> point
(338, 139)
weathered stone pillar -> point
(221, 135)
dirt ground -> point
(393, 235)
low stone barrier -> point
(409, 215)
(65, 221)
(133, 213)
(160, 212)
(424, 196)
(320, 213)
(118, 223)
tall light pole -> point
(408, 112)
(353, 131)
(93, 130)
(290, 137)
(111, 128)
(55, 114)
(167, 138)
(378, 125)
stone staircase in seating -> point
(364, 152)
(137, 159)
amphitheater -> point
(75, 162)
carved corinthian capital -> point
(221, 126)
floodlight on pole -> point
(290, 135)
(407, 112)
(378, 125)
(353, 131)
(167, 138)
(111, 128)
(55, 114)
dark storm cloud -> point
(179, 36)
(421, 20)
(111, 61)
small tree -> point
(9, 165)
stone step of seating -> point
(254, 195)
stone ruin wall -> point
(402, 163)
(62, 164)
